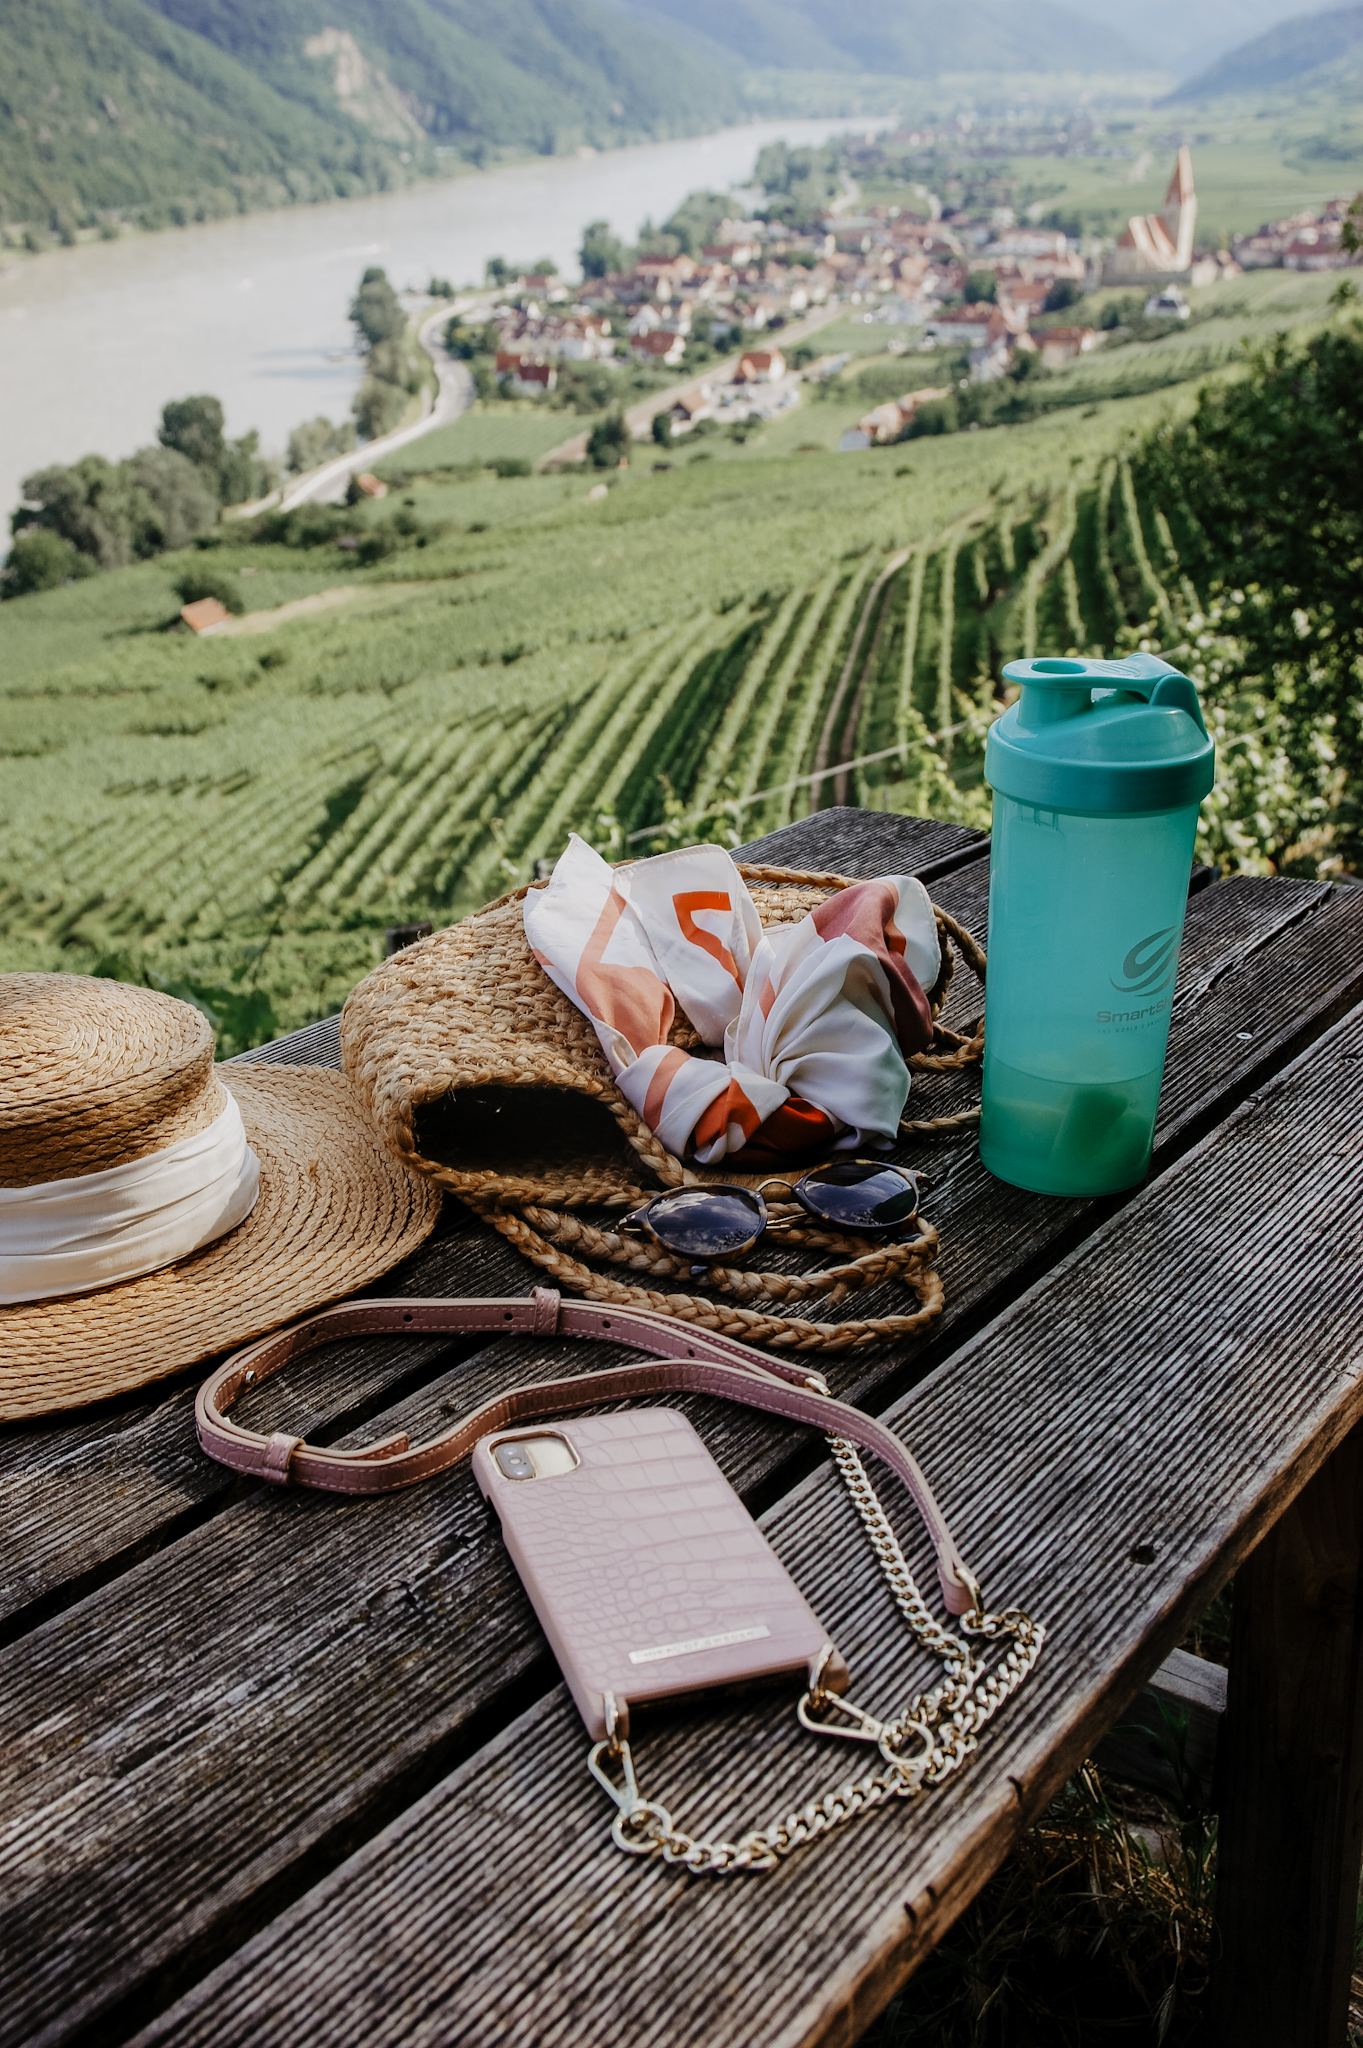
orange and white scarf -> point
(815, 1019)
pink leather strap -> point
(688, 1361)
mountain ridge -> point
(223, 106)
(903, 38)
(1290, 50)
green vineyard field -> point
(695, 657)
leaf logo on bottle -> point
(1149, 966)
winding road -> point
(454, 394)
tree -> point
(232, 470)
(658, 242)
(375, 310)
(392, 362)
(1351, 234)
(981, 288)
(42, 560)
(440, 288)
(608, 442)
(602, 254)
(662, 429)
(1264, 485)
(316, 441)
(467, 342)
(193, 427)
(694, 222)
(242, 474)
(378, 407)
(1063, 293)
(93, 503)
(180, 500)
(585, 387)
(498, 272)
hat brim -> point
(335, 1211)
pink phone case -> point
(648, 1574)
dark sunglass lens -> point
(707, 1223)
(857, 1195)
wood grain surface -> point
(496, 1910)
(213, 1694)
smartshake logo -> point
(1146, 973)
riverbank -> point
(94, 339)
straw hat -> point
(95, 1075)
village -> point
(988, 288)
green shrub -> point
(608, 443)
(1263, 487)
(202, 581)
(376, 546)
(307, 526)
(938, 416)
(42, 560)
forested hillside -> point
(498, 662)
(161, 110)
(1291, 50)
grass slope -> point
(258, 807)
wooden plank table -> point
(283, 1765)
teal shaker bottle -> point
(1097, 771)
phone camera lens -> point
(514, 1462)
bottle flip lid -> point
(1101, 736)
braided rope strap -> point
(545, 1235)
(951, 1051)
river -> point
(95, 339)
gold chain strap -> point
(934, 1736)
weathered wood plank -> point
(267, 1849)
(1073, 1443)
(315, 1609)
(80, 1496)
(1186, 1688)
(845, 841)
(87, 1496)
(1284, 958)
(1292, 1805)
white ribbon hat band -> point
(70, 1236)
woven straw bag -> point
(479, 1072)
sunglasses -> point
(720, 1220)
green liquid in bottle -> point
(1067, 1138)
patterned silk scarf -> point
(815, 1020)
